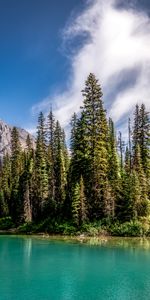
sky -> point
(48, 48)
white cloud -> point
(116, 40)
(31, 130)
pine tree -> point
(65, 151)
(3, 205)
(79, 207)
(127, 206)
(73, 124)
(51, 161)
(60, 170)
(5, 185)
(113, 168)
(26, 181)
(135, 134)
(40, 171)
(79, 161)
(29, 144)
(144, 139)
(16, 169)
(96, 136)
(129, 145)
(92, 182)
(121, 145)
(143, 204)
(127, 161)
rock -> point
(5, 138)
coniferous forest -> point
(101, 184)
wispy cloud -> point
(117, 45)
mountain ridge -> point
(5, 138)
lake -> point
(47, 269)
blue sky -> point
(32, 61)
(48, 47)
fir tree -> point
(60, 170)
(144, 139)
(129, 145)
(51, 161)
(5, 185)
(113, 167)
(96, 136)
(135, 134)
(40, 170)
(143, 203)
(26, 181)
(79, 207)
(16, 169)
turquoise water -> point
(38, 269)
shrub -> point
(66, 229)
(128, 229)
(6, 223)
(26, 228)
(90, 229)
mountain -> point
(5, 138)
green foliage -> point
(90, 230)
(127, 229)
(6, 223)
(26, 228)
(79, 206)
(95, 189)
(66, 229)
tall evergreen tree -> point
(16, 169)
(143, 204)
(60, 170)
(129, 145)
(40, 170)
(79, 207)
(135, 134)
(51, 160)
(144, 139)
(121, 151)
(5, 186)
(113, 172)
(96, 134)
(26, 183)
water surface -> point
(43, 269)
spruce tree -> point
(26, 181)
(78, 163)
(144, 139)
(79, 207)
(5, 185)
(51, 161)
(40, 171)
(143, 204)
(129, 145)
(135, 135)
(113, 167)
(16, 169)
(60, 170)
(96, 136)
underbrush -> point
(6, 223)
(133, 228)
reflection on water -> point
(45, 268)
(27, 247)
(143, 243)
(125, 242)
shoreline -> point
(80, 237)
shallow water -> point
(48, 269)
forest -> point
(98, 184)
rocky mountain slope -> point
(5, 138)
